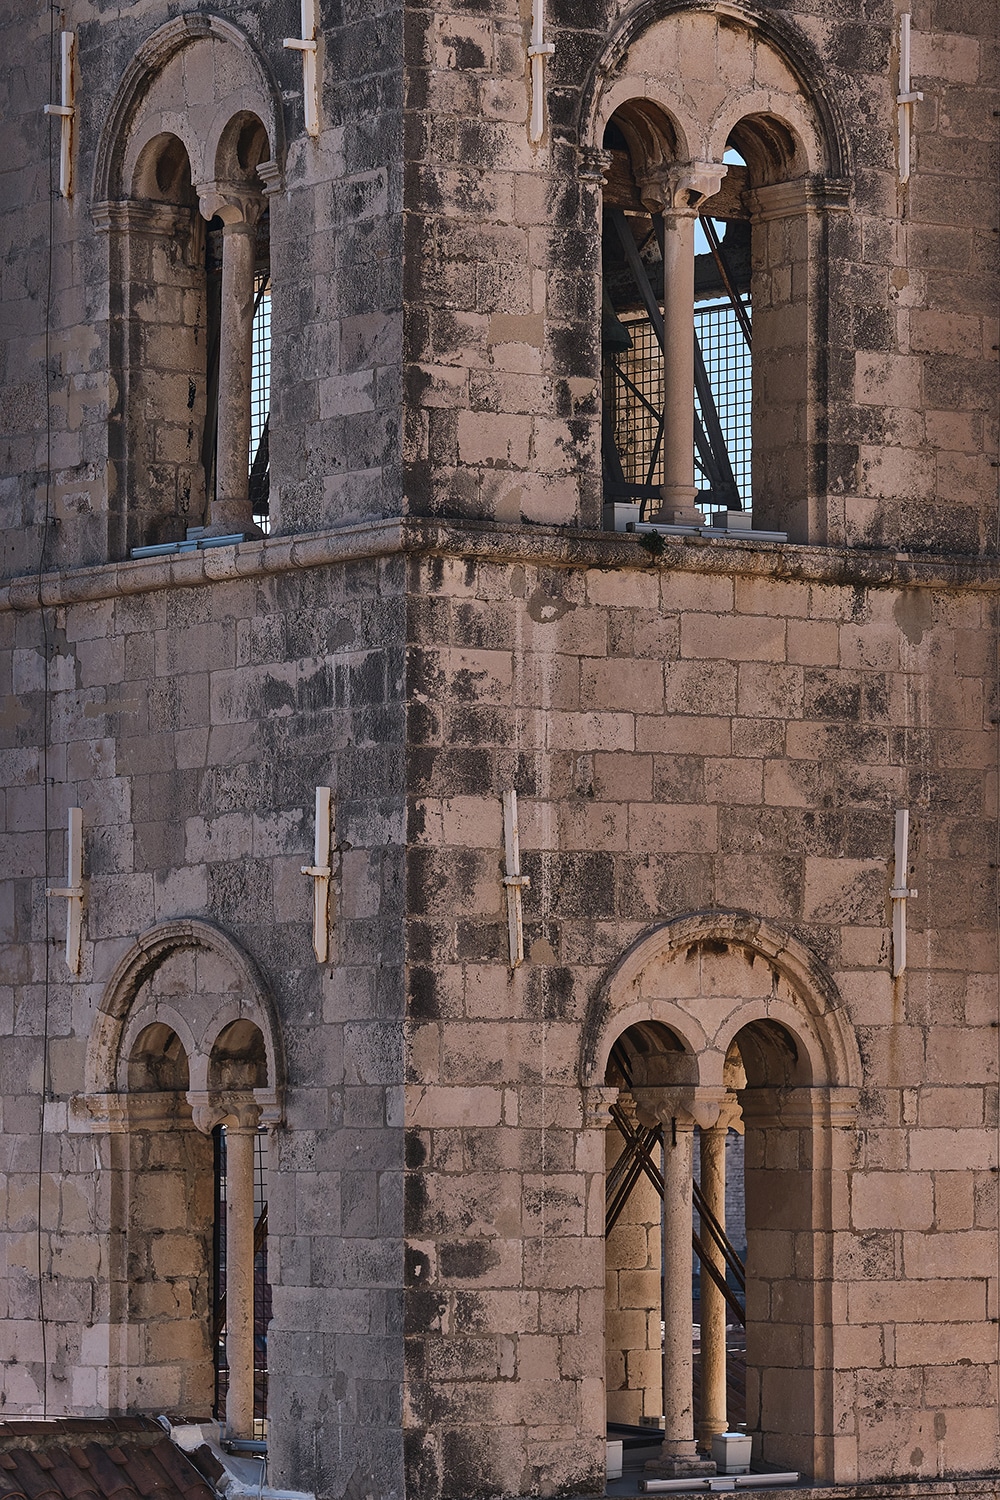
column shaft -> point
(713, 1304)
(239, 1279)
(230, 510)
(678, 360)
(678, 1427)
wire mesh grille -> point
(727, 360)
(261, 1286)
(638, 395)
(260, 376)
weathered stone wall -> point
(688, 739)
(503, 302)
(729, 729)
(192, 725)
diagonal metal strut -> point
(637, 1159)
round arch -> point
(604, 87)
(800, 994)
(117, 1024)
(152, 56)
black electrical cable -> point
(42, 559)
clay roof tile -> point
(111, 1481)
(181, 1472)
(73, 1482)
(32, 1478)
(88, 1458)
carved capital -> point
(679, 1106)
(681, 187)
(594, 163)
(730, 1114)
(597, 1102)
(232, 202)
(237, 1111)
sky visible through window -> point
(260, 378)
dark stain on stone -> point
(546, 608)
(467, 1259)
(913, 613)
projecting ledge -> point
(924, 1489)
(733, 554)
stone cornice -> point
(554, 547)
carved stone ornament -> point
(594, 163)
(682, 1106)
(681, 187)
(232, 202)
(237, 1111)
(597, 1102)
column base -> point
(675, 1466)
(679, 1467)
(706, 1431)
(232, 518)
(677, 506)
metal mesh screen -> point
(638, 394)
(727, 360)
(260, 375)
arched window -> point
(186, 201)
(713, 375)
(702, 1037)
(182, 1071)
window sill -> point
(623, 516)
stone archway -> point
(185, 1041)
(731, 988)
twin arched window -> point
(715, 189)
(188, 177)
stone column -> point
(241, 1117)
(676, 191)
(241, 1135)
(239, 210)
(679, 1110)
(713, 1303)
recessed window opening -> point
(636, 424)
(260, 383)
(261, 1286)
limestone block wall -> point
(191, 718)
(693, 737)
(496, 318)
(73, 301)
(877, 391)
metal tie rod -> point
(719, 1482)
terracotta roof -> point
(101, 1458)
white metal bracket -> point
(900, 893)
(321, 873)
(906, 98)
(539, 51)
(308, 45)
(66, 111)
(514, 881)
(72, 891)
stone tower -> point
(289, 653)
